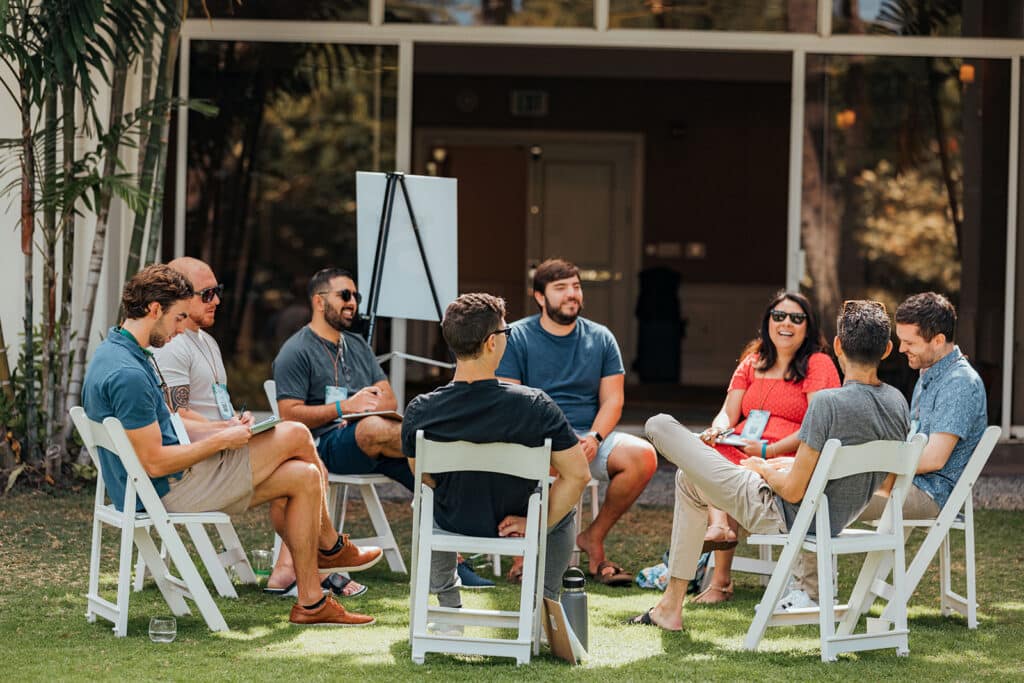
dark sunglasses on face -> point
(779, 316)
(207, 294)
(346, 295)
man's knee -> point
(633, 455)
(300, 477)
(296, 437)
(658, 426)
(375, 433)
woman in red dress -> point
(779, 373)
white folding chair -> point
(135, 529)
(957, 513)
(217, 563)
(503, 458)
(366, 484)
(835, 462)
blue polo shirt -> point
(569, 369)
(949, 397)
(122, 383)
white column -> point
(181, 160)
(1011, 246)
(794, 250)
(824, 18)
(403, 162)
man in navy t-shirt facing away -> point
(577, 362)
(476, 407)
(224, 468)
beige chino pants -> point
(706, 478)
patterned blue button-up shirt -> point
(949, 397)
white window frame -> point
(798, 45)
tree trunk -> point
(160, 131)
(27, 226)
(5, 374)
(99, 242)
(63, 344)
(170, 43)
(49, 183)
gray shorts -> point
(221, 483)
(599, 465)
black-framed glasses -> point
(504, 330)
(346, 295)
(209, 293)
(797, 318)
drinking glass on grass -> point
(163, 629)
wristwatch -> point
(596, 435)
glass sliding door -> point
(904, 190)
(270, 193)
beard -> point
(334, 318)
(559, 317)
(157, 339)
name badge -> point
(332, 394)
(220, 395)
(756, 422)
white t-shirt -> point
(193, 359)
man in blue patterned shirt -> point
(948, 404)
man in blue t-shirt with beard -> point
(577, 362)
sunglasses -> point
(209, 293)
(779, 316)
(346, 295)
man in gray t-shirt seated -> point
(764, 496)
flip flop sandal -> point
(642, 619)
(289, 591)
(611, 574)
(710, 545)
(724, 591)
(336, 584)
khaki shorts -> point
(221, 483)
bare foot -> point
(713, 595)
(594, 551)
(669, 620)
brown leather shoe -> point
(330, 613)
(351, 558)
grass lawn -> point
(44, 546)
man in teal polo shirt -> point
(225, 469)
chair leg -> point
(160, 572)
(421, 590)
(124, 580)
(826, 606)
(944, 577)
(187, 570)
(94, 567)
(140, 574)
(234, 554)
(211, 560)
(382, 528)
(972, 594)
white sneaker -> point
(446, 629)
(794, 600)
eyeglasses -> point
(346, 295)
(505, 331)
(778, 316)
(209, 293)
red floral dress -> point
(787, 401)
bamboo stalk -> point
(161, 132)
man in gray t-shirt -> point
(325, 372)
(763, 495)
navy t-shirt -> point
(121, 382)
(568, 368)
(308, 363)
(485, 411)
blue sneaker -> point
(469, 578)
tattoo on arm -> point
(180, 396)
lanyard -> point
(209, 359)
(337, 357)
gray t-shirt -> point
(192, 359)
(307, 364)
(854, 413)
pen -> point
(241, 411)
